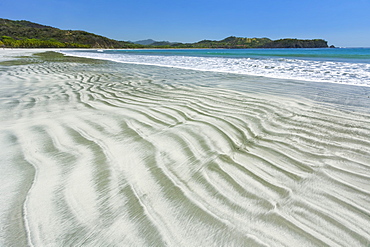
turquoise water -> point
(339, 54)
(342, 65)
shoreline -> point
(304, 65)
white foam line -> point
(25, 211)
(25, 214)
(218, 70)
(26, 223)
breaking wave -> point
(342, 72)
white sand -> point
(97, 155)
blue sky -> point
(341, 22)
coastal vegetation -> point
(25, 34)
(230, 42)
(296, 43)
(37, 43)
(233, 42)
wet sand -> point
(97, 153)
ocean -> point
(344, 65)
(185, 147)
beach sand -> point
(97, 153)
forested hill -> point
(243, 43)
(28, 34)
(25, 34)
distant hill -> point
(233, 42)
(296, 43)
(25, 34)
(155, 43)
(29, 34)
(144, 42)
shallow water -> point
(342, 66)
(104, 154)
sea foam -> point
(282, 68)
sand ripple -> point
(97, 155)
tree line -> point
(7, 41)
